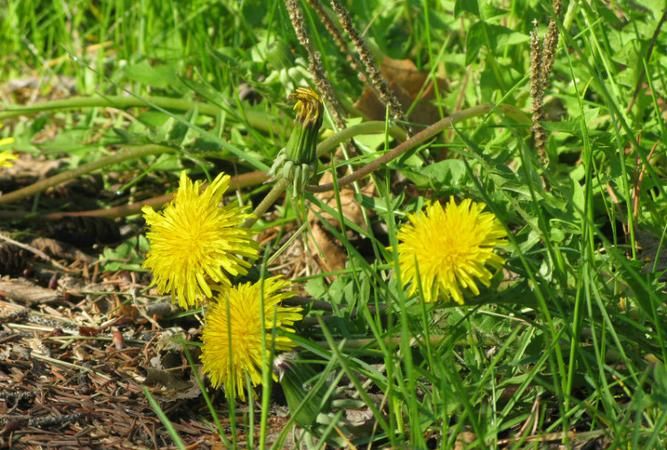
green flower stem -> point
(124, 155)
(256, 119)
(274, 194)
(405, 146)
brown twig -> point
(40, 254)
(236, 182)
(409, 144)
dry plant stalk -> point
(542, 57)
(338, 38)
(368, 64)
(314, 62)
(537, 92)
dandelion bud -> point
(297, 161)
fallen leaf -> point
(330, 254)
(351, 208)
(406, 81)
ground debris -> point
(25, 292)
(65, 382)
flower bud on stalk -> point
(297, 161)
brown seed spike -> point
(373, 73)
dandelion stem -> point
(274, 194)
(370, 127)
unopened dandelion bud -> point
(297, 161)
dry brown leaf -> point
(330, 255)
(406, 81)
(351, 208)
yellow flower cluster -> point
(196, 245)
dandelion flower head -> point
(232, 336)
(308, 106)
(196, 244)
(446, 250)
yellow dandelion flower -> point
(446, 250)
(228, 366)
(7, 159)
(196, 244)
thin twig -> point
(236, 182)
(124, 155)
(409, 144)
(40, 254)
(68, 365)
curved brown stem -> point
(405, 146)
(124, 155)
(236, 182)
